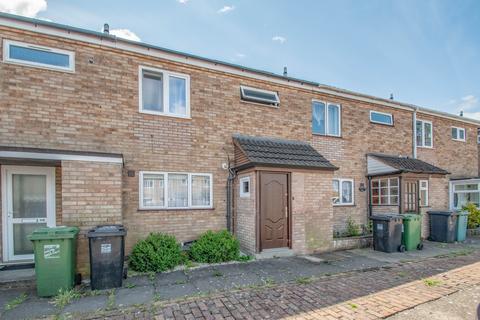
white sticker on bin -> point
(51, 251)
(106, 248)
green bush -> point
(214, 247)
(158, 252)
(353, 229)
(473, 216)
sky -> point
(423, 52)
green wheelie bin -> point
(55, 259)
(462, 218)
(412, 232)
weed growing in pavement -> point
(181, 282)
(304, 280)
(353, 306)
(217, 273)
(269, 282)
(402, 274)
(64, 297)
(16, 302)
(431, 282)
(130, 285)
(151, 276)
(111, 300)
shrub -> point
(214, 247)
(473, 216)
(158, 252)
(353, 229)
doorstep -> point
(17, 276)
(274, 253)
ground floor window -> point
(163, 190)
(385, 191)
(343, 192)
(465, 193)
(423, 193)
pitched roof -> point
(280, 153)
(407, 164)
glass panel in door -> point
(29, 209)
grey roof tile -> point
(407, 164)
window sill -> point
(424, 147)
(175, 209)
(326, 135)
(344, 205)
(260, 104)
(382, 124)
(38, 66)
(165, 114)
(458, 140)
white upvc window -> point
(259, 96)
(381, 118)
(465, 193)
(424, 134)
(175, 190)
(343, 192)
(163, 92)
(38, 56)
(423, 193)
(326, 118)
(245, 187)
(458, 134)
(384, 191)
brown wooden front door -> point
(274, 207)
(410, 191)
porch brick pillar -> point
(91, 195)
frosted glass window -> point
(200, 190)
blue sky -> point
(424, 52)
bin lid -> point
(386, 217)
(410, 216)
(111, 230)
(46, 233)
(440, 213)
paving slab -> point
(176, 291)
(170, 278)
(7, 296)
(86, 304)
(31, 308)
(134, 296)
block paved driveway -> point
(369, 294)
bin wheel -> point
(125, 273)
(401, 248)
(78, 279)
(420, 246)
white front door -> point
(28, 203)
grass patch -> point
(431, 282)
(12, 304)
(244, 258)
(64, 297)
(304, 280)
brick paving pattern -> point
(370, 294)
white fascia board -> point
(58, 157)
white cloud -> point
(27, 8)
(226, 9)
(280, 39)
(125, 34)
(468, 103)
(182, 1)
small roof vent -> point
(106, 28)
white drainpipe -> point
(414, 144)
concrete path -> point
(261, 274)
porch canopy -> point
(382, 164)
(253, 151)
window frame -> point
(327, 122)
(7, 59)
(341, 203)
(166, 92)
(423, 133)
(458, 130)
(242, 193)
(165, 179)
(263, 102)
(389, 195)
(420, 189)
(453, 191)
(382, 113)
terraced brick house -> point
(97, 130)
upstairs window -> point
(326, 118)
(259, 96)
(424, 134)
(343, 192)
(38, 56)
(381, 118)
(458, 134)
(164, 93)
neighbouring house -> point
(96, 129)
